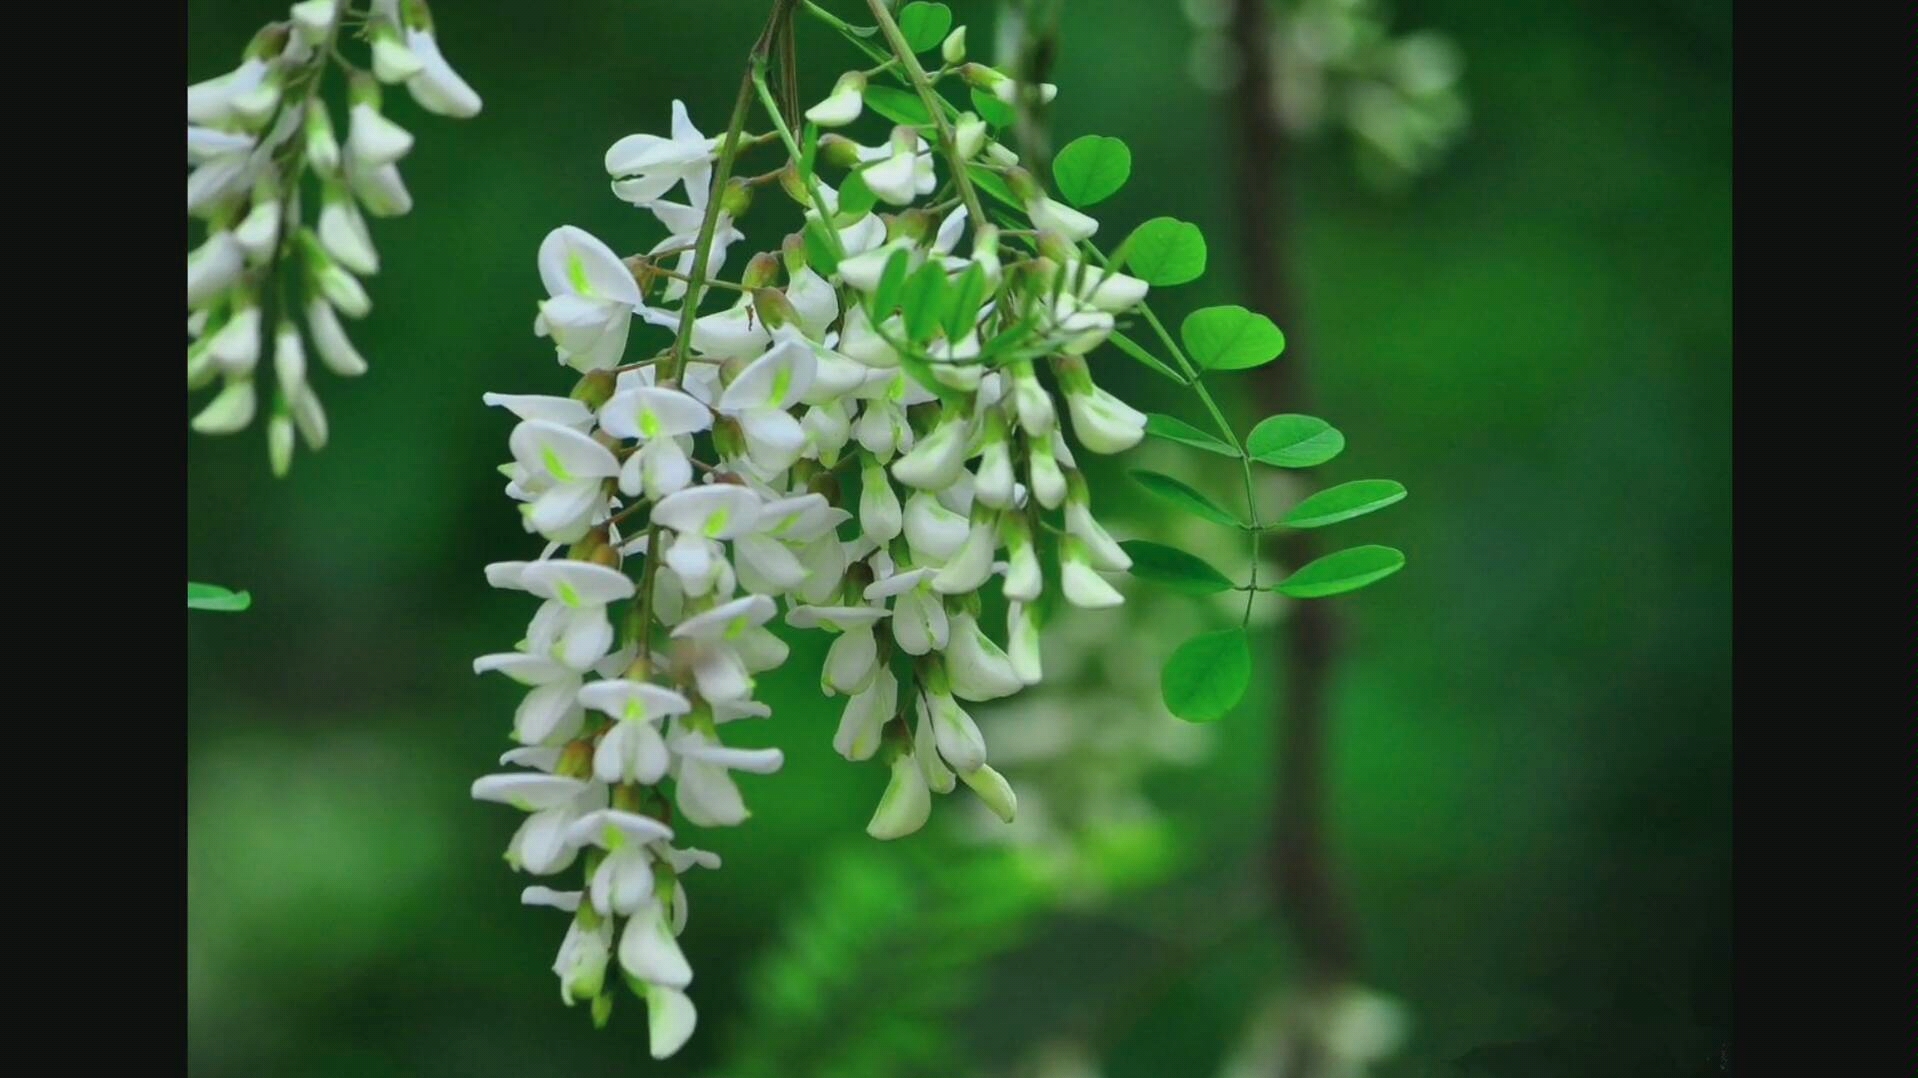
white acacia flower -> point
(649, 951)
(392, 60)
(933, 532)
(1042, 466)
(925, 749)
(1102, 550)
(623, 883)
(977, 668)
(862, 271)
(720, 638)
(374, 140)
(213, 267)
(343, 233)
(633, 750)
(906, 804)
(645, 167)
(960, 743)
(814, 301)
(670, 1020)
(880, 515)
(919, 623)
(661, 419)
(828, 428)
(715, 511)
(550, 712)
(562, 474)
(1081, 583)
(1103, 422)
(866, 715)
(583, 954)
(937, 459)
(564, 411)
(1105, 289)
(1022, 643)
(235, 346)
(1023, 579)
(437, 87)
(593, 299)
(224, 100)
(572, 625)
(702, 772)
(844, 104)
(554, 802)
(859, 341)
(895, 175)
(683, 225)
(972, 565)
(759, 399)
(993, 789)
(734, 333)
(1049, 215)
(379, 187)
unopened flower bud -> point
(953, 49)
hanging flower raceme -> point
(262, 152)
(856, 442)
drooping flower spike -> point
(262, 150)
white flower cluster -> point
(252, 136)
(865, 457)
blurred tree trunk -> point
(1303, 878)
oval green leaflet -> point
(1178, 494)
(1347, 570)
(1164, 251)
(1174, 568)
(1230, 338)
(1091, 168)
(1294, 441)
(924, 25)
(1343, 502)
(1207, 676)
(1178, 430)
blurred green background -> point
(1532, 758)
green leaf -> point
(855, 198)
(1137, 351)
(1174, 568)
(1294, 441)
(1230, 338)
(1207, 676)
(892, 281)
(1178, 430)
(924, 25)
(1091, 169)
(963, 301)
(1165, 251)
(1184, 497)
(1343, 502)
(820, 244)
(215, 597)
(995, 112)
(1347, 570)
(898, 106)
(988, 181)
(924, 300)
(1007, 340)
